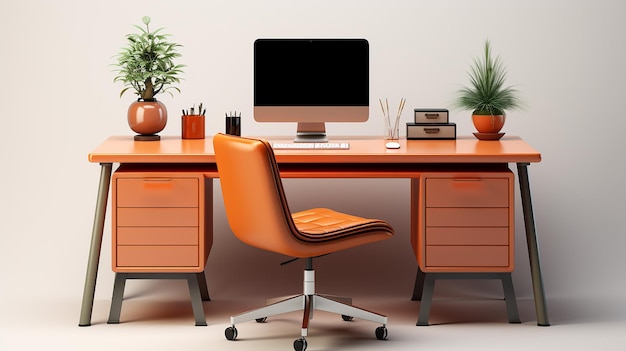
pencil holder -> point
(233, 125)
(192, 126)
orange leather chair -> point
(258, 214)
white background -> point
(58, 102)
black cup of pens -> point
(233, 124)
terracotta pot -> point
(147, 118)
(488, 123)
(192, 126)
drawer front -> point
(467, 217)
(157, 256)
(467, 236)
(467, 256)
(434, 131)
(157, 192)
(431, 116)
(467, 192)
(157, 217)
(157, 235)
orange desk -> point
(366, 158)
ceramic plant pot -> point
(488, 126)
(147, 118)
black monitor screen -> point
(311, 72)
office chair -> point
(258, 214)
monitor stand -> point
(311, 132)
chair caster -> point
(299, 344)
(347, 318)
(261, 320)
(381, 333)
(231, 333)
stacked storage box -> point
(431, 123)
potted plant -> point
(146, 65)
(487, 97)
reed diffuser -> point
(392, 128)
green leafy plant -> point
(146, 64)
(487, 94)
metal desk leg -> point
(204, 290)
(197, 292)
(118, 298)
(429, 287)
(419, 285)
(427, 298)
(533, 249)
(96, 245)
(509, 297)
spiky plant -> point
(147, 63)
(487, 95)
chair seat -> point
(323, 224)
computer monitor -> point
(311, 82)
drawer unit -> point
(160, 222)
(465, 222)
(430, 115)
(430, 131)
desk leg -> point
(96, 245)
(533, 248)
(419, 285)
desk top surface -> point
(464, 149)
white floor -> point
(156, 315)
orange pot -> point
(147, 117)
(488, 123)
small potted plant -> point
(146, 65)
(487, 97)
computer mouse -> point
(392, 145)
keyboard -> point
(311, 146)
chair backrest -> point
(254, 199)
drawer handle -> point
(432, 115)
(157, 182)
(431, 130)
(467, 183)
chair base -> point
(425, 286)
(308, 302)
(198, 292)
